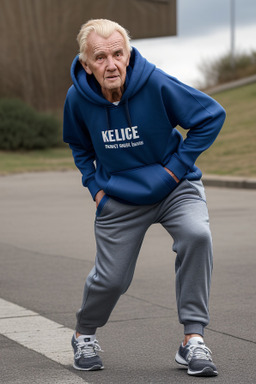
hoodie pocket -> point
(141, 186)
(101, 205)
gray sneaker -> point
(197, 357)
(85, 353)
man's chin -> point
(113, 84)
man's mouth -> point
(112, 77)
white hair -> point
(103, 28)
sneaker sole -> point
(95, 367)
(206, 372)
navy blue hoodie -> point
(123, 149)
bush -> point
(21, 127)
(221, 71)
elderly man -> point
(119, 119)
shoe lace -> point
(201, 352)
(88, 349)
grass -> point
(233, 153)
(54, 159)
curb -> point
(229, 182)
(208, 180)
(231, 85)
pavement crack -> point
(230, 335)
(149, 302)
(18, 317)
(138, 319)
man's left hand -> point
(172, 174)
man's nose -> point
(111, 63)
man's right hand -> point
(98, 197)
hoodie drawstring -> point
(108, 118)
(128, 116)
(127, 113)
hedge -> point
(22, 127)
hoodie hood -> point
(138, 72)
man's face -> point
(107, 59)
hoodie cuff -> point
(93, 188)
(177, 167)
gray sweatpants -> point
(119, 232)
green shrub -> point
(221, 70)
(21, 127)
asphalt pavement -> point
(46, 251)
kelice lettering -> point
(122, 134)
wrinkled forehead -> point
(97, 43)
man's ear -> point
(86, 68)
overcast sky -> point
(203, 35)
(203, 16)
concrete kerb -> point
(229, 182)
(231, 85)
(208, 180)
